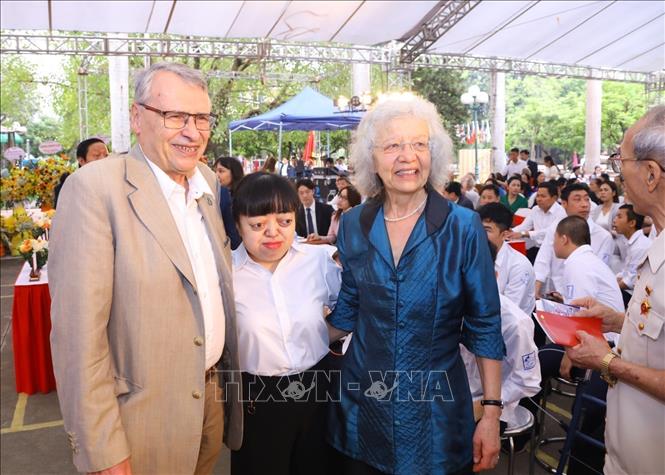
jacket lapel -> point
(153, 211)
(371, 222)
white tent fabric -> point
(627, 35)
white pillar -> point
(498, 119)
(361, 77)
(119, 91)
(594, 97)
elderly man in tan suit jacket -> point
(142, 307)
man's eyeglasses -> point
(394, 148)
(616, 161)
(178, 120)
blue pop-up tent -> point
(309, 110)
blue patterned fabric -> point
(405, 405)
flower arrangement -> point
(35, 251)
(36, 182)
(17, 226)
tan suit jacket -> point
(127, 322)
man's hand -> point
(313, 237)
(565, 367)
(514, 235)
(486, 444)
(612, 320)
(589, 353)
(123, 468)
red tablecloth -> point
(31, 327)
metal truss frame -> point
(447, 15)
(388, 56)
(516, 66)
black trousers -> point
(284, 425)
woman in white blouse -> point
(281, 288)
(346, 199)
(603, 215)
(551, 170)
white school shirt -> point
(520, 368)
(537, 222)
(638, 246)
(513, 168)
(585, 275)
(194, 235)
(549, 268)
(279, 315)
(515, 277)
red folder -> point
(561, 329)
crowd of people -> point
(389, 330)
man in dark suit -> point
(312, 217)
(454, 193)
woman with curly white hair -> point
(417, 281)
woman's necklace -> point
(401, 218)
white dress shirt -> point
(513, 168)
(279, 315)
(194, 235)
(585, 275)
(520, 368)
(515, 278)
(638, 246)
(537, 222)
(549, 268)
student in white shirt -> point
(281, 288)
(584, 274)
(549, 268)
(534, 227)
(628, 224)
(514, 165)
(520, 368)
(515, 276)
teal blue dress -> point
(405, 406)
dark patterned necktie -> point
(310, 223)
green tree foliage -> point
(19, 98)
(623, 104)
(40, 130)
(66, 102)
(443, 87)
(551, 113)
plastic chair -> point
(527, 424)
(573, 431)
(541, 422)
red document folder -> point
(561, 329)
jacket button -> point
(196, 394)
(401, 324)
(641, 326)
(198, 341)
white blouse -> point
(280, 315)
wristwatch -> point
(525, 234)
(605, 369)
(492, 402)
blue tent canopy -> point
(309, 110)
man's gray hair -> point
(649, 141)
(365, 177)
(144, 78)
